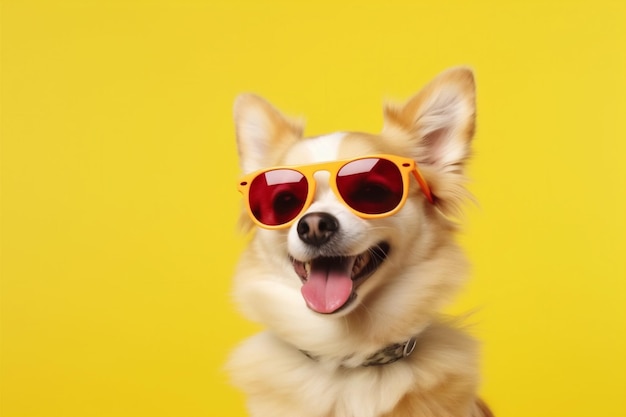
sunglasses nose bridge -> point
(321, 180)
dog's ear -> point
(436, 127)
(439, 120)
(262, 132)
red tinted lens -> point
(371, 185)
(277, 197)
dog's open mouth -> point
(329, 283)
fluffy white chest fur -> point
(352, 257)
(438, 379)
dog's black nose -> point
(317, 228)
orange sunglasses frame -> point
(405, 165)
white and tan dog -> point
(351, 261)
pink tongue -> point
(328, 286)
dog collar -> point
(386, 355)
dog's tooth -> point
(359, 263)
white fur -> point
(324, 148)
(314, 390)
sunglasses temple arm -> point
(424, 186)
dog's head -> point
(333, 240)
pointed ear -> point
(439, 120)
(262, 132)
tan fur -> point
(400, 300)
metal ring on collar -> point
(409, 347)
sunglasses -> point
(371, 187)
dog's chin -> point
(330, 283)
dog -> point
(351, 259)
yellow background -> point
(119, 205)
